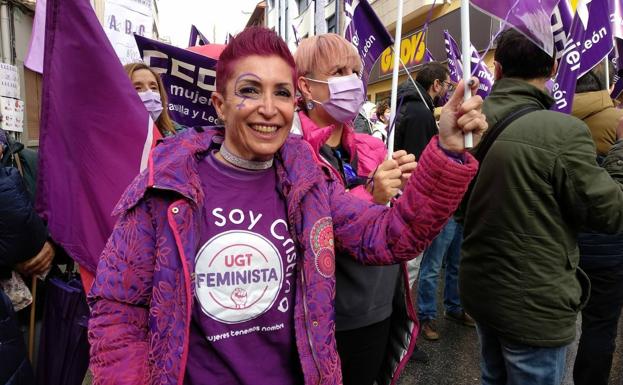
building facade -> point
(294, 20)
(444, 15)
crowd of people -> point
(278, 247)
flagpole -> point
(394, 96)
(467, 60)
(607, 73)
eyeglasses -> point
(449, 85)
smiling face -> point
(257, 107)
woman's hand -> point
(459, 118)
(38, 264)
(407, 164)
(386, 181)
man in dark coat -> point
(415, 124)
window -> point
(302, 5)
(331, 24)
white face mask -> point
(346, 96)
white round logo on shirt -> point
(238, 275)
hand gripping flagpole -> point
(467, 60)
(394, 97)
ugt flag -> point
(196, 37)
(366, 32)
(530, 17)
(589, 42)
(189, 79)
(93, 140)
(485, 77)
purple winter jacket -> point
(143, 291)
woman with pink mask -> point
(153, 95)
(221, 268)
(373, 304)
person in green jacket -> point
(538, 186)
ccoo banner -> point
(189, 79)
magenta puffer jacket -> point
(143, 291)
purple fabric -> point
(245, 274)
(142, 296)
(454, 57)
(189, 79)
(34, 58)
(366, 32)
(64, 349)
(91, 143)
(196, 37)
(3, 138)
(478, 67)
(530, 17)
(590, 41)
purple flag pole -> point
(92, 144)
(466, 45)
(394, 95)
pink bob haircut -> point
(324, 52)
(252, 41)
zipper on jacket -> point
(300, 265)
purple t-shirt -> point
(242, 328)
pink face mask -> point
(152, 102)
(346, 96)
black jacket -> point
(22, 232)
(362, 125)
(415, 124)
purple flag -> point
(589, 42)
(562, 18)
(296, 35)
(428, 57)
(454, 57)
(196, 37)
(93, 140)
(479, 69)
(616, 59)
(34, 58)
(189, 79)
(366, 32)
(530, 17)
(615, 8)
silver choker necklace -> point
(243, 163)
